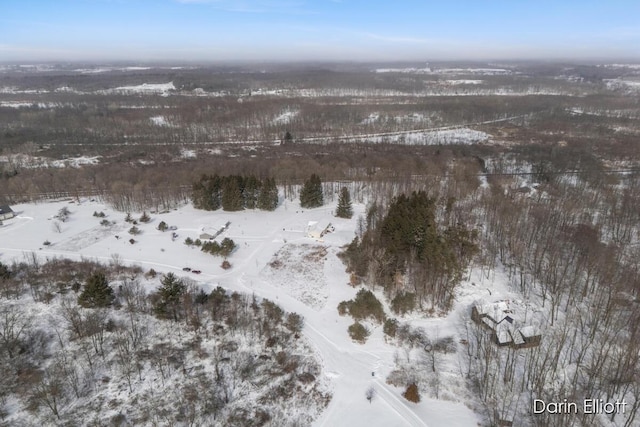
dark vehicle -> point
(196, 271)
(186, 269)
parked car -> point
(186, 269)
(196, 271)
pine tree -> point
(5, 273)
(97, 292)
(169, 295)
(311, 193)
(206, 193)
(344, 210)
(268, 198)
(232, 194)
(214, 193)
(251, 192)
(288, 138)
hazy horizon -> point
(316, 31)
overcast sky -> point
(219, 30)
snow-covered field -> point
(145, 89)
(285, 117)
(449, 71)
(28, 161)
(276, 260)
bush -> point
(134, 231)
(358, 332)
(390, 327)
(145, 218)
(225, 265)
(366, 305)
(105, 223)
(294, 322)
(99, 214)
(188, 241)
(63, 214)
(445, 345)
(163, 226)
(343, 308)
(411, 393)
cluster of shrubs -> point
(364, 306)
(223, 249)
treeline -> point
(234, 193)
(407, 250)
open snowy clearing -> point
(308, 279)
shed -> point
(6, 212)
(314, 231)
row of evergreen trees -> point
(234, 193)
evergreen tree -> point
(227, 246)
(232, 194)
(251, 192)
(169, 295)
(311, 193)
(206, 193)
(288, 138)
(268, 198)
(97, 292)
(5, 273)
(344, 210)
(214, 192)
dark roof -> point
(5, 209)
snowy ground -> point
(308, 279)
